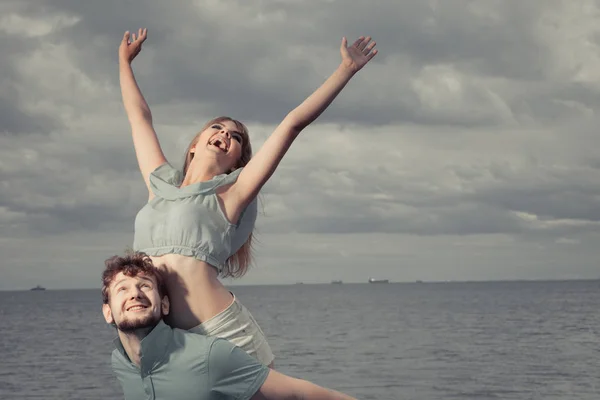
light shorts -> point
(237, 325)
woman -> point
(197, 224)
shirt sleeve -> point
(232, 372)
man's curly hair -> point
(132, 264)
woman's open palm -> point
(131, 45)
(359, 54)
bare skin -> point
(195, 292)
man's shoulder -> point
(187, 338)
(182, 333)
(210, 346)
(120, 362)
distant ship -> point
(337, 282)
(38, 287)
(373, 280)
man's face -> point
(134, 303)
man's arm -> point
(278, 386)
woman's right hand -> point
(131, 45)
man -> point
(155, 361)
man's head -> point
(133, 292)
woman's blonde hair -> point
(238, 263)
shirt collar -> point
(165, 182)
(154, 346)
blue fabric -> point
(189, 220)
(179, 365)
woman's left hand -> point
(359, 54)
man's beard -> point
(147, 323)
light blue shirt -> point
(179, 365)
(189, 220)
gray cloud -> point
(13, 118)
(15, 121)
(475, 123)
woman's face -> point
(223, 142)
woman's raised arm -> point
(147, 148)
(260, 168)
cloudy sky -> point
(468, 149)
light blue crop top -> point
(189, 220)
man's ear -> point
(165, 305)
(108, 317)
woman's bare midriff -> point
(195, 292)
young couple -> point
(182, 334)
